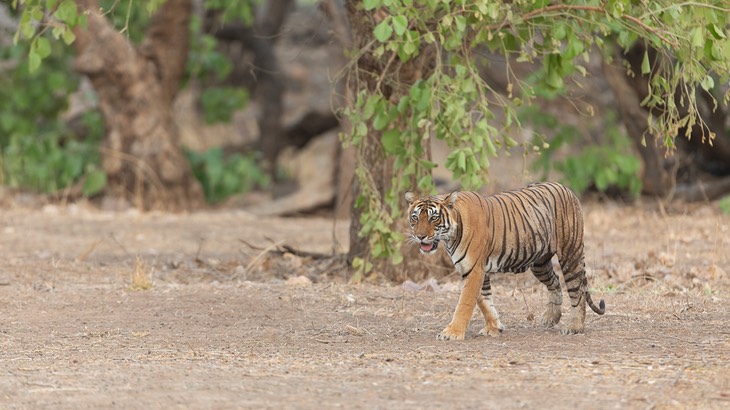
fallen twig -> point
(255, 260)
(281, 248)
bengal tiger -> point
(507, 232)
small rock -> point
(411, 286)
(451, 287)
(429, 285)
(300, 280)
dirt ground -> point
(229, 322)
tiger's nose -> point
(421, 237)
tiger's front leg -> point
(493, 325)
(464, 308)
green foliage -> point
(455, 104)
(725, 205)
(64, 17)
(361, 268)
(219, 103)
(44, 164)
(205, 62)
(234, 10)
(222, 176)
(610, 163)
(38, 151)
(208, 65)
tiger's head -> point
(430, 219)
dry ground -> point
(225, 326)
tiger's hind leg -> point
(494, 326)
(575, 281)
(543, 271)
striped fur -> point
(509, 232)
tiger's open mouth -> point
(429, 247)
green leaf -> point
(34, 61)
(697, 37)
(42, 47)
(425, 183)
(553, 79)
(461, 161)
(36, 13)
(707, 83)
(369, 107)
(95, 183)
(371, 4)
(400, 24)
(716, 31)
(447, 20)
(409, 48)
(381, 120)
(68, 36)
(27, 28)
(645, 66)
(460, 23)
(425, 100)
(383, 31)
(490, 147)
(66, 12)
(391, 141)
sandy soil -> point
(230, 323)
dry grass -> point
(141, 276)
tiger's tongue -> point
(427, 246)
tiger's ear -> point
(450, 199)
(410, 198)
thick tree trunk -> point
(370, 154)
(136, 87)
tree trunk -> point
(370, 154)
(136, 87)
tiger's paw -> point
(494, 332)
(450, 334)
(571, 330)
(551, 317)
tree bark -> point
(136, 86)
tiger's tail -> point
(601, 309)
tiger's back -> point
(518, 227)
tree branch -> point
(595, 9)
